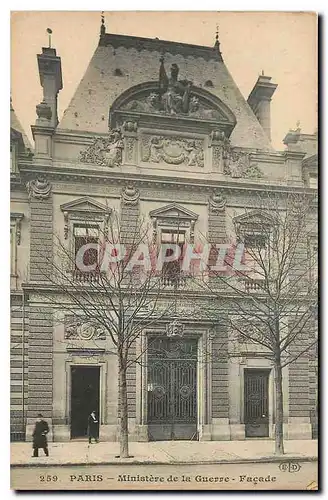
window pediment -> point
(253, 218)
(83, 210)
(174, 212)
(175, 217)
(84, 206)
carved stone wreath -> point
(172, 150)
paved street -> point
(79, 452)
(251, 476)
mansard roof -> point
(157, 45)
(17, 131)
(310, 161)
(122, 62)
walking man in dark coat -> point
(93, 427)
(40, 432)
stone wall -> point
(19, 319)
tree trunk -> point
(279, 429)
(124, 433)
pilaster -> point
(41, 229)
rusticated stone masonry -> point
(40, 349)
(128, 225)
(220, 374)
(129, 213)
(41, 214)
(299, 403)
(217, 218)
(40, 356)
(19, 327)
(220, 367)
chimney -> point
(51, 81)
(259, 100)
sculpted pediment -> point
(199, 107)
(173, 211)
(171, 98)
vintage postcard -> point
(164, 240)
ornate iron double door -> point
(172, 389)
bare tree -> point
(273, 293)
(111, 282)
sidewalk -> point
(164, 452)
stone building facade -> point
(161, 129)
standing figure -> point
(175, 93)
(40, 432)
(93, 427)
(113, 150)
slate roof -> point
(138, 61)
(16, 125)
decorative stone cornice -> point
(99, 178)
(39, 188)
(294, 155)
